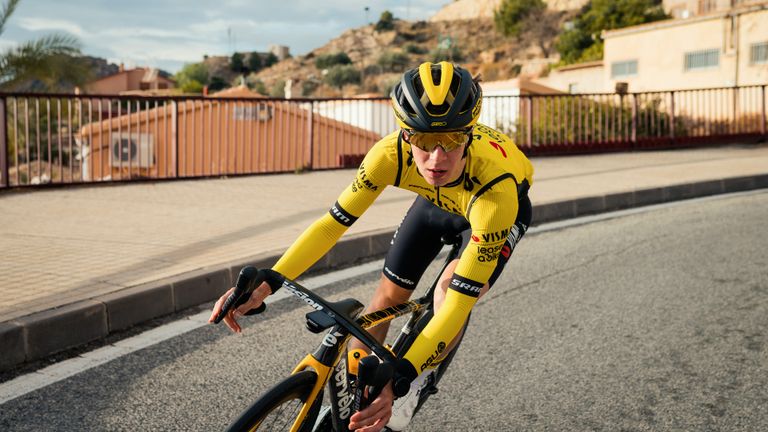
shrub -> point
(392, 61)
(254, 62)
(340, 75)
(386, 21)
(413, 48)
(329, 60)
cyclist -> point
(471, 180)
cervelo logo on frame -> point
(343, 395)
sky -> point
(170, 33)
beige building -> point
(130, 80)
(587, 77)
(682, 9)
(721, 49)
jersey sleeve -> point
(377, 170)
(491, 217)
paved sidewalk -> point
(80, 263)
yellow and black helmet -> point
(436, 97)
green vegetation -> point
(217, 83)
(254, 62)
(416, 49)
(278, 89)
(192, 77)
(393, 61)
(386, 21)
(236, 63)
(309, 86)
(452, 53)
(512, 16)
(582, 42)
(270, 60)
(329, 60)
(43, 64)
(340, 75)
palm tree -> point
(42, 64)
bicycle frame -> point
(328, 359)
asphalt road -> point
(649, 322)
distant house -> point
(584, 77)
(502, 102)
(232, 132)
(127, 81)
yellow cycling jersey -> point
(486, 194)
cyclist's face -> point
(439, 167)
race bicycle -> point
(296, 403)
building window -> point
(702, 59)
(758, 53)
(573, 88)
(623, 68)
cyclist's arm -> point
(375, 173)
(320, 237)
(496, 213)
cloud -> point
(47, 24)
(146, 32)
(169, 33)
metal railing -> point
(61, 139)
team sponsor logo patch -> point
(466, 286)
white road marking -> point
(28, 383)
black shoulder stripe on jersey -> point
(342, 216)
(486, 187)
(399, 158)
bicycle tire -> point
(278, 408)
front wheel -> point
(278, 409)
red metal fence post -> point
(634, 120)
(175, 135)
(764, 119)
(4, 181)
(672, 116)
(529, 122)
(311, 140)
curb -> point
(41, 334)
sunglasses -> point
(428, 141)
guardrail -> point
(60, 139)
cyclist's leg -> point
(415, 244)
(522, 222)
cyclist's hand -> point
(257, 297)
(376, 415)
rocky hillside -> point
(469, 9)
(381, 56)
